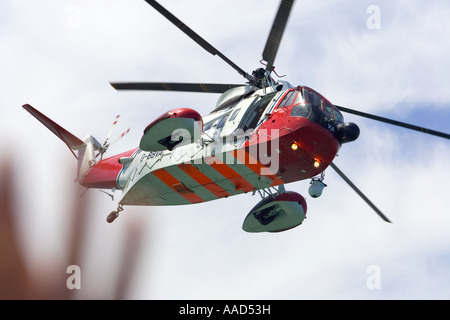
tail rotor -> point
(106, 144)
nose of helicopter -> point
(348, 132)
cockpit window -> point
(338, 116)
(287, 100)
(331, 111)
(291, 98)
(314, 99)
(327, 109)
(301, 110)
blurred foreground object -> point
(14, 278)
(49, 279)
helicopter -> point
(261, 135)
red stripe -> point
(253, 164)
(230, 174)
(177, 186)
(203, 180)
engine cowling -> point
(172, 128)
(277, 212)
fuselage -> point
(253, 139)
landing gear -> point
(114, 214)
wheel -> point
(112, 216)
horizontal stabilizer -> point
(69, 139)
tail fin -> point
(86, 147)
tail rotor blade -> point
(111, 130)
(119, 137)
(106, 144)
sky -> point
(388, 58)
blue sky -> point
(59, 56)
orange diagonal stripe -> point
(230, 174)
(204, 180)
(254, 165)
(171, 181)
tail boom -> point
(104, 174)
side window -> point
(255, 111)
(222, 122)
(234, 114)
(208, 125)
(337, 116)
(328, 109)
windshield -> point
(318, 101)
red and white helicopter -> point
(261, 135)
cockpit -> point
(307, 103)
(304, 102)
(299, 102)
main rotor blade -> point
(175, 86)
(194, 36)
(276, 33)
(395, 123)
(343, 176)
